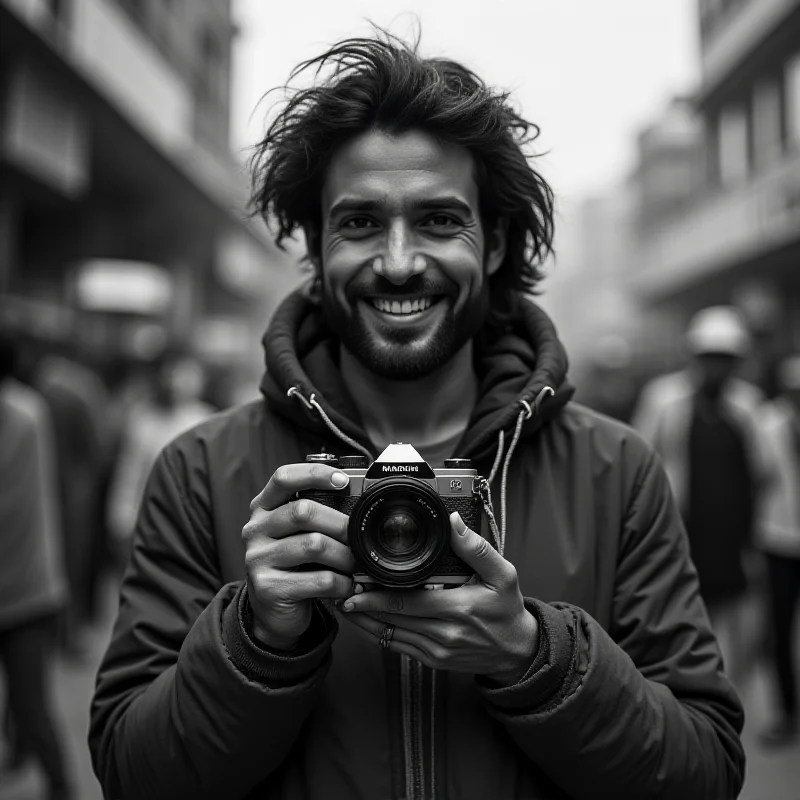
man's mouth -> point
(403, 307)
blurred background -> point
(135, 288)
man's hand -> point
(482, 628)
(288, 545)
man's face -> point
(404, 257)
(716, 369)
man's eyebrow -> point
(355, 204)
(443, 203)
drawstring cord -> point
(525, 414)
(501, 439)
(311, 404)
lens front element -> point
(398, 530)
(399, 533)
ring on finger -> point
(386, 635)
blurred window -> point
(733, 146)
(766, 123)
(793, 100)
(212, 68)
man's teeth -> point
(404, 307)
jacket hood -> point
(514, 372)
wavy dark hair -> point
(384, 84)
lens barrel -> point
(399, 530)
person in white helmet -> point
(703, 422)
(777, 535)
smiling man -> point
(246, 662)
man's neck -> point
(422, 412)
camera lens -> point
(399, 533)
(398, 530)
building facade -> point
(735, 235)
(119, 194)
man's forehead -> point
(377, 165)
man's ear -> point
(496, 243)
(313, 247)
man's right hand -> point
(288, 545)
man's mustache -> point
(421, 285)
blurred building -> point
(119, 195)
(729, 231)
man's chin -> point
(396, 355)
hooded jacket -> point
(626, 697)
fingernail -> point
(461, 526)
(359, 588)
(339, 480)
(348, 606)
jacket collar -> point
(513, 370)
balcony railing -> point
(738, 31)
(722, 230)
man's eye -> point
(358, 223)
(441, 221)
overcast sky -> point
(589, 72)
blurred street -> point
(771, 775)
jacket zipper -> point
(420, 766)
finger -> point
(291, 478)
(294, 586)
(308, 548)
(479, 554)
(301, 515)
(411, 602)
(432, 628)
(427, 648)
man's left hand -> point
(482, 627)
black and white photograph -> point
(399, 400)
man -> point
(778, 537)
(703, 422)
(578, 662)
(33, 589)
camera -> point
(399, 509)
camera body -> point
(399, 508)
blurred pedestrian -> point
(778, 536)
(33, 588)
(172, 407)
(77, 401)
(702, 421)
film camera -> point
(399, 509)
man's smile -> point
(404, 309)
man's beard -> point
(397, 354)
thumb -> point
(477, 553)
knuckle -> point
(253, 527)
(439, 653)
(314, 543)
(509, 580)
(319, 472)
(326, 581)
(261, 583)
(282, 476)
(301, 511)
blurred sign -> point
(44, 132)
(133, 287)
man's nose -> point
(401, 259)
